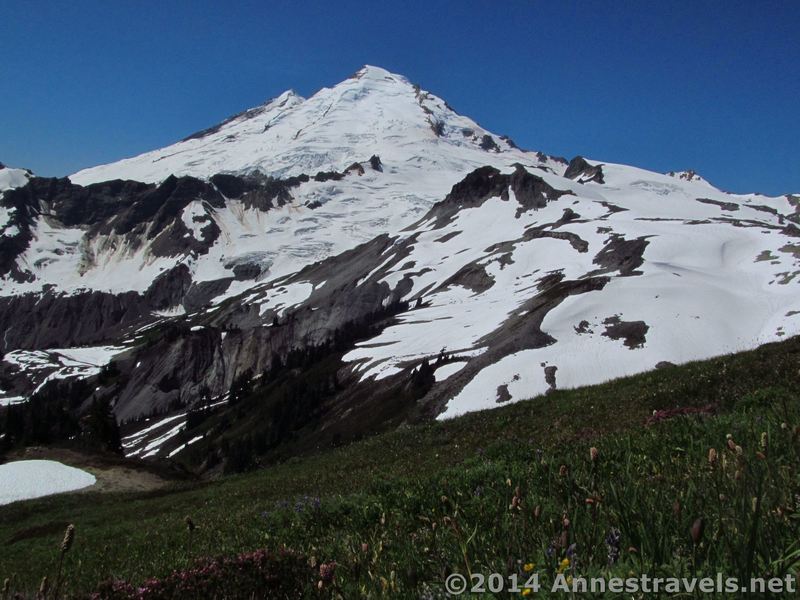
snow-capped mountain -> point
(372, 113)
(378, 150)
(427, 268)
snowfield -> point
(26, 479)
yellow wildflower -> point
(565, 563)
(527, 592)
(528, 567)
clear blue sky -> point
(712, 85)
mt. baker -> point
(364, 258)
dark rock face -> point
(531, 191)
(257, 190)
(168, 289)
(473, 277)
(622, 255)
(355, 168)
(488, 144)
(729, 206)
(631, 332)
(550, 377)
(156, 207)
(583, 172)
(509, 141)
(503, 394)
(201, 293)
(33, 321)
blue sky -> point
(713, 86)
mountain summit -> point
(374, 112)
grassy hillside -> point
(496, 491)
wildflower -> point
(564, 563)
(613, 544)
(784, 426)
(569, 580)
(528, 567)
(698, 527)
(326, 572)
(712, 456)
(728, 436)
(731, 445)
(594, 454)
(527, 592)
(571, 551)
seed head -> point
(712, 456)
(594, 454)
(69, 537)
